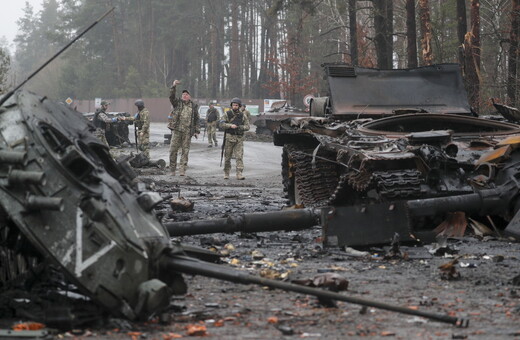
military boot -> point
(182, 172)
(240, 176)
(226, 174)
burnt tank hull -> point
(399, 136)
(71, 204)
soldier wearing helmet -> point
(101, 121)
(142, 123)
(184, 125)
(235, 124)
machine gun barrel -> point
(258, 222)
(187, 265)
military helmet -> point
(139, 103)
(236, 100)
(105, 102)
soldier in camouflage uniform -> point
(185, 124)
(245, 112)
(236, 123)
(142, 123)
(212, 118)
(101, 120)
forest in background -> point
(260, 49)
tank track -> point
(324, 185)
(398, 184)
(312, 184)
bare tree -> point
(513, 52)
(426, 32)
(411, 33)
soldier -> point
(236, 123)
(142, 123)
(185, 124)
(245, 111)
(101, 120)
(212, 117)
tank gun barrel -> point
(256, 222)
(485, 201)
(187, 265)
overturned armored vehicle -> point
(399, 151)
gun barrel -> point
(187, 265)
(484, 202)
(271, 221)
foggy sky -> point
(11, 12)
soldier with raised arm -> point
(185, 124)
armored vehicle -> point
(65, 202)
(394, 151)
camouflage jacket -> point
(142, 120)
(237, 118)
(180, 121)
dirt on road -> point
(472, 277)
(480, 279)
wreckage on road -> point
(398, 151)
(66, 204)
(390, 152)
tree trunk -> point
(352, 14)
(235, 87)
(513, 52)
(462, 27)
(411, 34)
(472, 57)
(383, 35)
(426, 33)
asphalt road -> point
(262, 160)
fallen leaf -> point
(28, 326)
(387, 333)
(272, 320)
(196, 330)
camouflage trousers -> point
(212, 133)
(144, 143)
(234, 147)
(180, 140)
(100, 134)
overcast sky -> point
(12, 10)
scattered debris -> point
(449, 271)
(331, 281)
(181, 204)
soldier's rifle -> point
(136, 138)
(223, 146)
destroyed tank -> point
(65, 203)
(385, 143)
